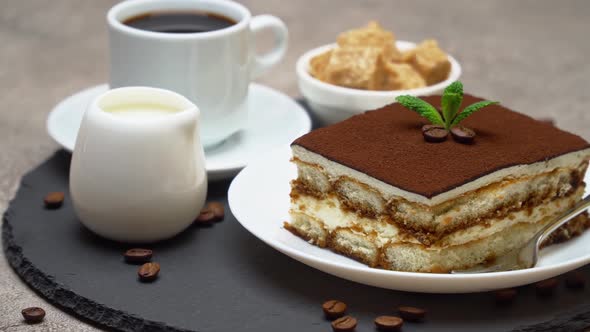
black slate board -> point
(221, 278)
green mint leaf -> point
(451, 101)
(472, 109)
(455, 87)
(421, 107)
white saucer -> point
(274, 120)
(259, 199)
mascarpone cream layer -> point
(329, 211)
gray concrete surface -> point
(531, 55)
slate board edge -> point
(103, 316)
(65, 299)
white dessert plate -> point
(259, 199)
(274, 120)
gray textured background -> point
(531, 55)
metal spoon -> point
(526, 256)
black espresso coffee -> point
(179, 22)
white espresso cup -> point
(138, 168)
(212, 69)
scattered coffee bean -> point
(575, 280)
(334, 309)
(412, 314)
(33, 315)
(148, 271)
(217, 209)
(212, 212)
(205, 218)
(546, 287)
(388, 323)
(138, 255)
(54, 200)
(343, 324)
(434, 134)
(463, 135)
(505, 296)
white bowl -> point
(331, 103)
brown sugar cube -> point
(352, 67)
(395, 76)
(318, 65)
(406, 76)
(372, 35)
(395, 55)
(430, 61)
(391, 53)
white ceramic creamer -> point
(138, 169)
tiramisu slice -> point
(371, 188)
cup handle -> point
(263, 62)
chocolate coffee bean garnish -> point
(575, 280)
(430, 126)
(54, 200)
(546, 287)
(138, 255)
(334, 309)
(343, 324)
(212, 212)
(33, 315)
(434, 134)
(412, 314)
(388, 323)
(505, 296)
(463, 135)
(547, 121)
(148, 272)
